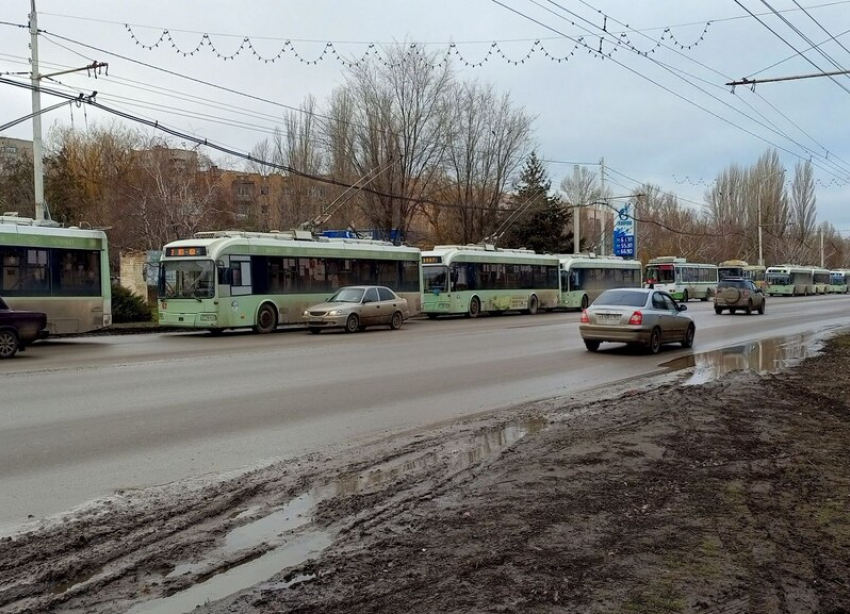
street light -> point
(761, 185)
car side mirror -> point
(683, 307)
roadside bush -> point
(128, 307)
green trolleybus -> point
(233, 279)
(838, 281)
(790, 280)
(476, 279)
(681, 279)
(740, 268)
(62, 272)
(584, 277)
(821, 278)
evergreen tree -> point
(544, 226)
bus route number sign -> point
(432, 259)
(185, 252)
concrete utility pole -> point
(600, 211)
(576, 217)
(37, 151)
(822, 260)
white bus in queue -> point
(681, 279)
(585, 276)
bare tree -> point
(488, 139)
(803, 208)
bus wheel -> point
(397, 321)
(352, 324)
(266, 319)
(8, 343)
(474, 308)
(685, 296)
(585, 302)
(431, 316)
(532, 305)
(216, 332)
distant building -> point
(14, 149)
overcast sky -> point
(666, 117)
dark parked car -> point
(734, 293)
(19, 328)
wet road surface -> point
(83, 417)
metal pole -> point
(37, 151)
(822, 260)
(761, 253)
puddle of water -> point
(295, 580)
(295, 552)
(766, 356)
(184, 568)
(494, 441)
(294, 514)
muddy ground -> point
(730, 496)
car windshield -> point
(659, 274)
(347, 295)
(627, 298)
(187, 279)
(434, 278)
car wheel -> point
(314, 329)
(532, 305)
(585, 302)
(474, 308)
(397, 321)
(8, 344)
(762, 307)
(352, 324)
(749, 308)
(718, 310)
(688, 342)
(592, 346)
(266, 320)
(655, 341)
(685, 296)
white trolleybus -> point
(821, 279)
(62, 272)
(233, 279)
(585, 276)
(681, 279)
(790, 280)
(838, 281)
(740, 268)
(475, 279)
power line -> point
(810, 16)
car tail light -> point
(584, 318)
(636, 319)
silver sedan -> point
(642, 316)
(353, 308)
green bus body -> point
(584, 278)
(790, 280)
(219, 280)
(838, 282)
(456, 279)
(62, 272)
(822, 279)
(681, 279)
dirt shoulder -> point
(723, 497)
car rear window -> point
(629, 298)
(732, 283)
(385, 294)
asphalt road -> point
(83, 417)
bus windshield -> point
(434, 278)
(660, 274)
(187, 279)
(730, 271)
(778, 279)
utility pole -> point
(37, 150)
(600, 211)
(576, 217)
(822, 260)
(41, 212)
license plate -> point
(608, 319)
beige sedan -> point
(354, 308)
